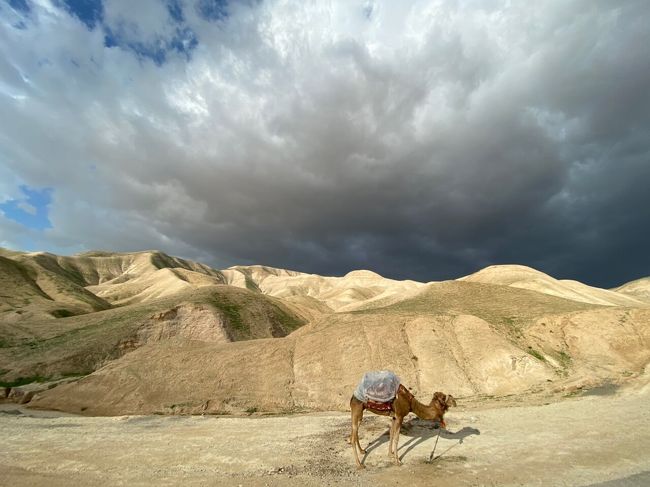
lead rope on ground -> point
(434, 446)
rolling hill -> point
(527, 278)
(639, 289)
(149, 333)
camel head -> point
(440, 403)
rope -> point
(434, 446)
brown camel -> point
(403, 404)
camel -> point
(403, 404)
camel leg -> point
(397, 425)
(356, 440)
(357, 415)
(391, 432)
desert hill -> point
(527, 278)
(32, 291)
(127, 278)
(79, 345)
(317, 366)
(56, 330)
(639, 289)
(355, 290)
(168, 335)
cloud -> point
(424, 140)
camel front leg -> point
(397, 425)
(391, 430)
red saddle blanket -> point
(379, 406)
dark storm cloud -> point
(423, 140)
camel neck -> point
(423, 411)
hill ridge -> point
(152, 325)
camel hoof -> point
(360, 466)
(363, 452)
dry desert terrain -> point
(147, 369)
(590, 440)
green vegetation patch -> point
(21, 381)
(287, 321)
(511, 309)
(536, 354)
(564, 359)
(250, 284)
(232, 312)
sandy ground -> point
(599, 440)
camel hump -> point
(405, 392)
(377, 386)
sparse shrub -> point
(536, 354)
(565, 358)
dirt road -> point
(603, 440)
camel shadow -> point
(419, 431)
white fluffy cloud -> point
(420, 139)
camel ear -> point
(451, 401)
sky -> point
(419, 139)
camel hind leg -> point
(352, 440)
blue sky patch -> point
(19, 6)
(183, 42)
(30, 211)
(22, 9)
(90, 12)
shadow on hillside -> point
(418, 432)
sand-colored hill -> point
(80, 344)
(128, 278)
(356, 290)
(30, 291)
(639, 289)
(62, 316)
(528, 278)
(463, 337)
(155, 333)
(318, 366)
(18, 290)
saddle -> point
(388, 405)
(380, 406)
